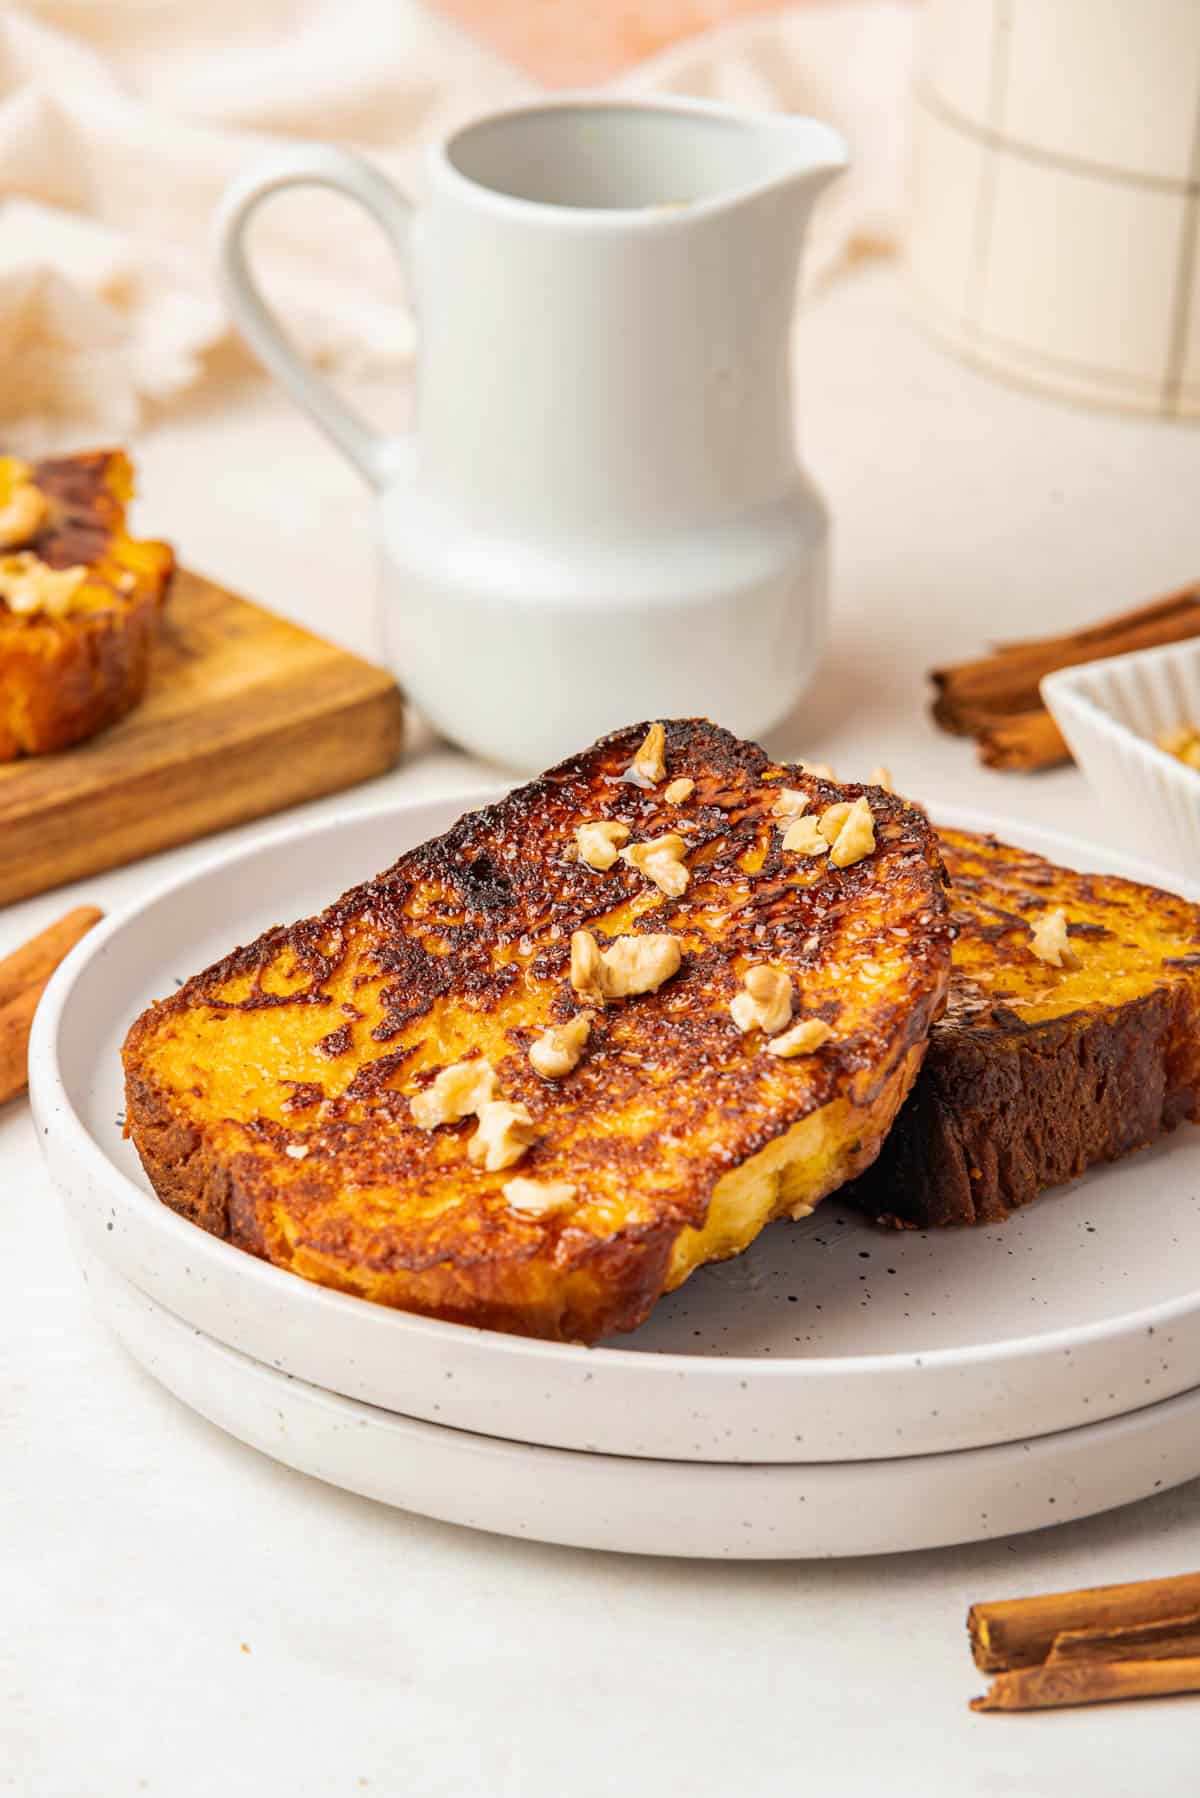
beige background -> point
(140, 1547)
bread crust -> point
(1012, 1099)
(64, 679)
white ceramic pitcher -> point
(599, 516)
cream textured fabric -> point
(121, 123)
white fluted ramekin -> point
(1111, 713)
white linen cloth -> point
(121, 123)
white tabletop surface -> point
(180, 1616)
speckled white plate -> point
(637, 1506)
(828, 1341)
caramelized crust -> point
(65, 678)
(269, 1098)
(1035, 1073)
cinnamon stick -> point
(1156, 611)
(1171, 1639)
(1088, 1682)
(1020, 1632)
(37, 959)
(1008, 681)
(1024, 743)
(24, 976)
(16, 1021)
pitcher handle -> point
(308, 165)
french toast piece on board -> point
(80, 600)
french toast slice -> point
(80, 600)
(287, 1099)
(1037, 1072)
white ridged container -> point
(1111, 714)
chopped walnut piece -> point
(559, 1047)
(630, 965)
(818, 770)
(790, 802)
(1183, 744)
(586, 970)
(505, 1132)
(1048, 940)
(832, 818)
(459, 1090)
(297, 1150)
(23, 515)
(803, 837)
(765, 1001)
(639, 964)
(30, 585)
(679, 790)
(881, 777)
(539, 1198)
(596, 843)
(648, 767)
(802, 1038)
(660, 861)
(856, 838)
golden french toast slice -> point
(549, 1063)
(80, 600)
(1071, 1037)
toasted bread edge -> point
(995, 1121)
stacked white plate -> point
(838, 1390)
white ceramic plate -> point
(829, 1341)
(655, 1507)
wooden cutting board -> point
(245, 714)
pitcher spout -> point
(800, 153)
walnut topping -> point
(459, 1090)
(505, 1132)
(596, 843)
(539, 1198)
(1049, 941)
(819, 770)
(831, 820)
(297, 1150)
(31, 585)
(679, 790)
(24, 514)
(629, 966)
(559, 1048)
(803, 837)
(881, 777)
(802, 1038)
(856, 835)
(790, 802)
(639, 964)
(660, 861)
(586, 971)
(1183, 744)
(765, 1001)
(648, 767)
